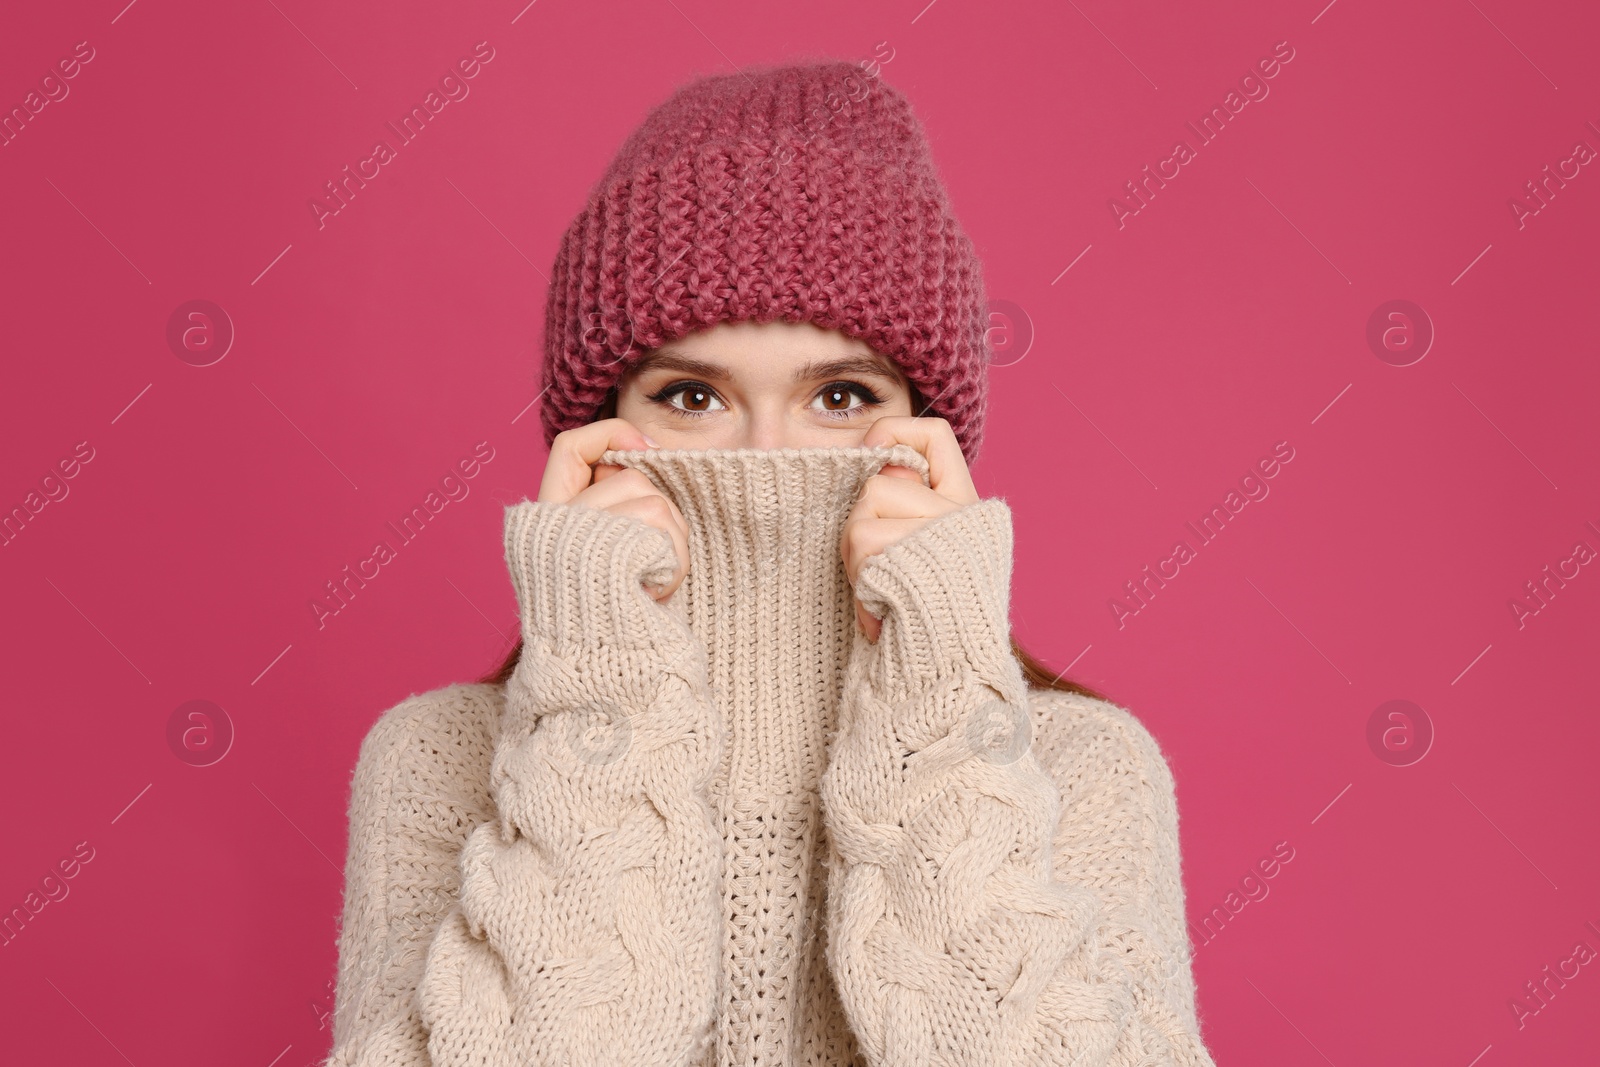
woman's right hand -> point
(572, 475)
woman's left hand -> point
(894, 503)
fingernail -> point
(650, 441)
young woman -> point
(766, 780)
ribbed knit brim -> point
(802, 192)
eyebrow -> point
(668, 358)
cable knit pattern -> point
(951, 938)
(729, 830)
(419, 787)
(1118, 834)
(587, 930)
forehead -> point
(749, 349)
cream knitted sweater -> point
(730, 830)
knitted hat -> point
(802, 192)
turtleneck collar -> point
(767, 593)
(768, 597)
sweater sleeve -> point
(950, 937)
(588, 925)
(418, 789)
(1118, 834)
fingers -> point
(885, 496)
(655, 509)
(892, 505)
(871, 625)
(867, 537)
(947, 466)
(623, 483)
(574, 453)
(573, 475)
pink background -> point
(1230, 313)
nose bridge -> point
(768, 426)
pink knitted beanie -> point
(802, 192)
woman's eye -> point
(696, 399)
(836, 397)
(837, 400)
